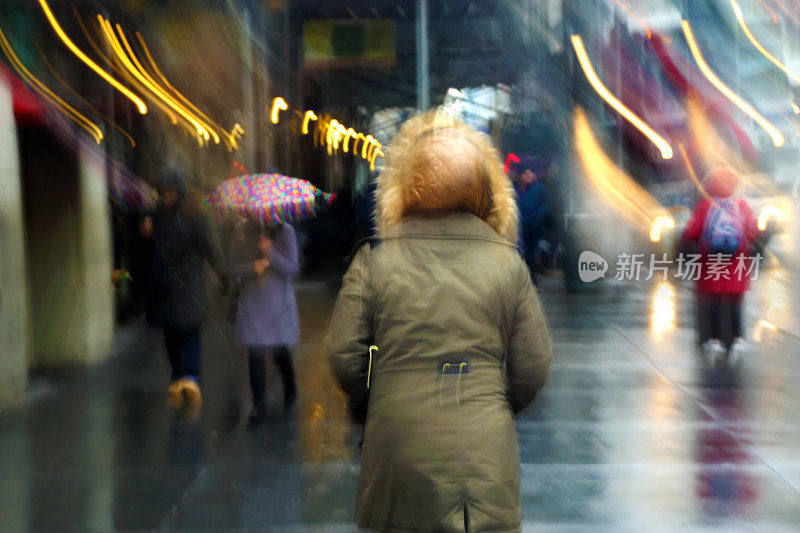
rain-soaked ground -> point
(633, 432)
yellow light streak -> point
(766, 212)
(201, 129)
(42, 89)
(309, 115)
(795, 108)
(369, 141)
(122, 72)
(660, 223)
(740, 17)
(777, 137)
(331, 138)
(82, 99)
(205, 131)
(377, 153)
(359, 137)
(236, 133)
(177, 93)
(613, 184)
(663, 310)
(339, 131)
(278, 105)
(583, 58)
(690, 169)
(713, 150)
(143, 78)
(350, 133)
(140, 105)
(119, 54)
(771, 12)
(762, 325)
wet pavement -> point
(633, 432)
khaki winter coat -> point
(461, 339)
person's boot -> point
(191, 393)
(258, 413)
(175, 395)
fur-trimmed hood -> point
(438, 164)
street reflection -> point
(725, 485)
(663, 308)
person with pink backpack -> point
(724, 228)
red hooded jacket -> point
(721, 184)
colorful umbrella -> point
(269, 198)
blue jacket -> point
(535, 211)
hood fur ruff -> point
(438, 164)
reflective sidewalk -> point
(632, 433)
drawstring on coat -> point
(369, 367)
(445, 366)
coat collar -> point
(459, 224)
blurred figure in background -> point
(535, 206)
(721, 223)
(263, 261)
(460, 339)
(176, 298)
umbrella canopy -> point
(269, 198)
(129, 191)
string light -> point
(278, 105)
(309, 115)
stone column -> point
(15, 341)
(98, 295)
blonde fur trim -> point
(395, 180)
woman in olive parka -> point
(438, 330)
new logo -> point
(591, 266)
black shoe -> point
(290, 398)
(258, 413)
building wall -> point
(52, 210)
(69, 251)
(14, 303)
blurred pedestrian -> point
(438, 331)
(724, 228)
(262, 262)
(535, 205)
(176, 297)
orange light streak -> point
(740, 17)
(42, 89)
(637, 19)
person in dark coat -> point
(176, 298)
(263, 263)
(535, 206)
